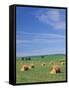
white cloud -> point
(60, 25)
(41, 38)
(52, 17)
(39, 34)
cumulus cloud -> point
(52, 17)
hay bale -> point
(55, 69)
(62, 63)
(29, 67)
(32, 66)
(43, 64)
(24, 68)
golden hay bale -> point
(43, 64)
(22, 69)
(29, 67)
(62, 63)
(55, 69)
(32, 66)
(25, 68)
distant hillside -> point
(52, 56)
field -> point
(40, 73)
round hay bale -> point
(43, 64)
(32, 66)
(29, 67)
(22, 69)
(55, 69)
(62, 63)
(25, 68)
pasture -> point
(41, 70)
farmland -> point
(40, 73)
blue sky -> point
(40, 31)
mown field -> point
(40, 73)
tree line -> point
(29, 58)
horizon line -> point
(41, 55)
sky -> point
(40, 31)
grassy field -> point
(39, 73)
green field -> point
(40, 73)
